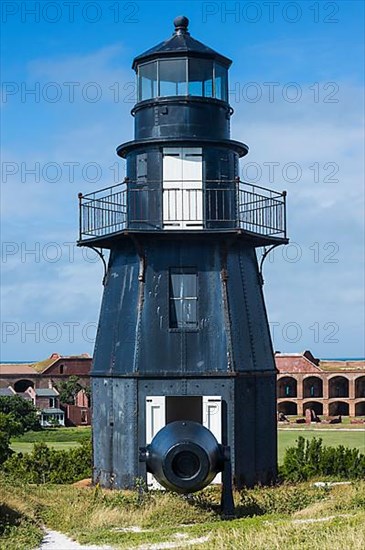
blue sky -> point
(296, 86)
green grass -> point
(55, 435)
(20, 447)
(287, 438)
(267, 518)
(58, 438)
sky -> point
(296, 86)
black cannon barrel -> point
(184, 456)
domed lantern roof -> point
(180, 44)
(182, 66)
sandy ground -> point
(53, 540)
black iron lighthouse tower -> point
(183, 334)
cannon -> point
(185, 457)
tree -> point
(69, 389)
(7, 428)
(9, 425)
(23, 413)
(16, 416)
(5, 450)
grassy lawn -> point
(58, 438)
(22, 447)
(297, 517)
(55, 435)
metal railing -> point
(215, 205)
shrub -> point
(8, 427)
(46, 465)
(23, 413)
(5, 450)
(310, 458)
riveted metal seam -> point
(226, 311)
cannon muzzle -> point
(184, 456)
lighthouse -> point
(183, 344)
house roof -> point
(294, 363)
(17, 368)
(44, 366)
(41, 366)
(342, 365)
(306, 362)
(32, 369)
(52, 410)
(46, 392)
(7, 392)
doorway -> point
(161, 410)
(182, 188)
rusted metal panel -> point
(255, 430)
(250, 328)
(115, 341)
(103, 471)
(115, 445)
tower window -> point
(201, 77)
(147, 81)
(172, 77)
(183, 298)
(183, 76)
(221, 84)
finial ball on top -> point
(181, 22)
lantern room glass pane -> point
(221, 82)
(172, 77)
(201, 77)
(147, 81)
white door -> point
(212, 419)
(182, 188)
(155, 421)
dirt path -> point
(53, 540)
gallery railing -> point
(174, 205)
